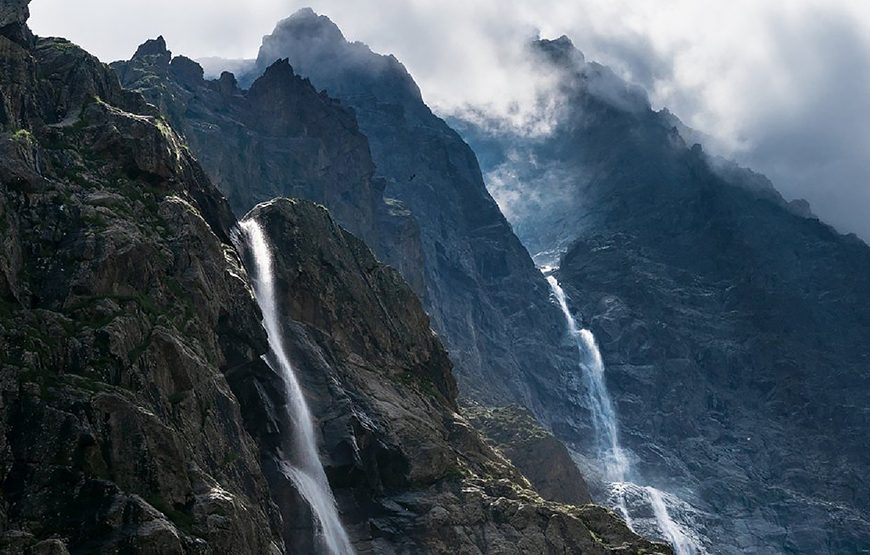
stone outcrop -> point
(13, 21)
(542, 458)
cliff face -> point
(137, 415)
(409, 473)
(122, 313)
(733, 324)
(480, 287)
(280, 137)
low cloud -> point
(782, 86)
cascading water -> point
(617, 465)
(304, 469)
(673, 532)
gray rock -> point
(13, 21)
(733, 324)
(410, 474)
(118, 294)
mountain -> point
(481, 289)
(126, 334)
(142, 407)
(439, 228)
(279, 138)
(733, 323)
(410, 474)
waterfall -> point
(616, 463)
(305, 469)
(683, 545)
(604, 422)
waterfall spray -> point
(683, 545)
(305, 469)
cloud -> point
(780, 85)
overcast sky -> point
(781, 85)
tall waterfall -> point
(303, 466)
(616, 463)
(604, 421)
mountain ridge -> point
(137, 413)
(719, 307)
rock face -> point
(479, 285)
(542, 458)
(13, 21)
(136, 413)
(278, 138)
(124, 316)
(410, 474)
(734, 325)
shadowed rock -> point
(733, 324)
(410, 474)
(123, 311)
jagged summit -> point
(560, 51)
(154, 47)
(579, 77)
(316, 48)
(278, 69)
(317, 31)
(13, 21)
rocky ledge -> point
(543, 459)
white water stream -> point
(303, 466)
(605, 423)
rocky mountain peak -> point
(154, 49)
(317, 32)
(186, 71)
(560, 52)
(311, 27)
(13, 20)
(228, 84)
(316, 48)
(278, 70)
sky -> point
(781, 86)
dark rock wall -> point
(410, 474)
(733, 324)
(122, 308)
(481, 288)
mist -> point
(781, 86)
